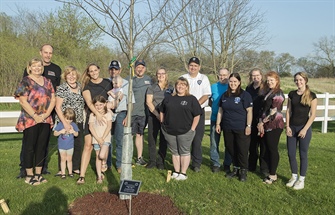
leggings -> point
(271, 154)
(292, 143)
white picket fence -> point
(325, 107)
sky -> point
(292, 25)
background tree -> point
(284, 63)
(325, 55)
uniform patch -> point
(147, 82)
(183, 103)
(237, 100)
(199, 82)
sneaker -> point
(215, 169)
(181, 177)
(174, 175)
(140, 162)
(291, 182)
(299, 185)
(226, 169)
(150, 165)
(160, 166)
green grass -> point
(202, 193)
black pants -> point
(271, 154)
(196, 151)
(35, 141)
(255, 141)
(154, 127)
(237, 144)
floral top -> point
(71, 100)
(38, 97)
(274, 100)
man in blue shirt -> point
(218, 89)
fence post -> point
(325, 116)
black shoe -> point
(196, 169)
(226, 169)
(45, 172)
(150, 165)
(22, 174)
(243, 175)
(215, 169)
(232, 174)
(160, 166)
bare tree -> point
(325, 54)
(308, 65)
(218, 30)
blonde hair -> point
(118, 79)
(33, 61)
(69, 114)
(86, 77)
(306, 97)
(182, 80)
(70, 69)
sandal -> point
(63, 176)
(81, 180)
(32, 180)
(58, 174)
(77, 172)
(41, 179)
(269, 180)
(70, 175)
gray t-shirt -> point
(140, 86)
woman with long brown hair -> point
(300, 114)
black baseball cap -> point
(139, 62)
(114, 64)
(194, 60)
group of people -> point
(94, 109)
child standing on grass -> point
(101, 135)
(66, 141)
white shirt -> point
(199, 86)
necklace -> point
(73, 87)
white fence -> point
(323, 114)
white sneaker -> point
(291, 182)
(299, 185)
(181, 177)
(174, 175)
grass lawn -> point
(202, 193)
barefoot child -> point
(101, 135)
(66, 141)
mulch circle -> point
(101, 203)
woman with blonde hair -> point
(300, 114)
(179, 115)
(68, 95)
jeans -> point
(117, 134)
(214, 148)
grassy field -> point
(202, 193)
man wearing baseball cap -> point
(139, 117)
(200, 88)
(121, 114)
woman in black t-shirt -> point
(300, 114)
(93, 85)
(179, 115)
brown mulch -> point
(101, 203)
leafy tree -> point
(325, 55)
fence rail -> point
(8, 118)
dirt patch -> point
(101, 203)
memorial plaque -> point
(130, 187)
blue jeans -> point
(214, 148)
(117, 134)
